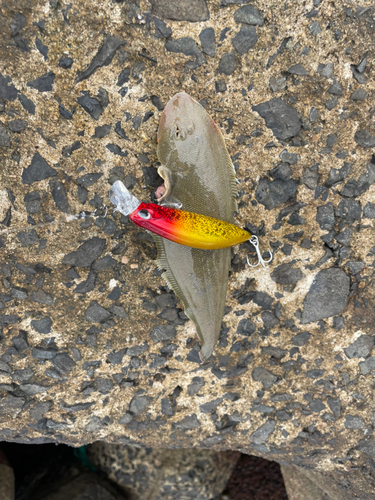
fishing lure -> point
(186, 228)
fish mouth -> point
(122, 198)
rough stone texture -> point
(157, 473)
(67, 271)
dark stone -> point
(207, 39)
(335, 89)
(43, 83)
(260, 374)
(290, 158)
(38, 170)
(187, 423)
(276, 85)
(102, 131)
(25, 102)
(137, 350)
(354, 422)
(157, 102)
(271, 194)
(227, 63)
(316, 405)
(59, 196)
(136, 121)
(327, 70)
(298, 69)
(275, 352)
(22, 375)
(269, 319)
(181, 10)
(196, 385)
(355, 267)
(19, 293)
(188, 47)
(139, 404)
(245, 39)
(88, 285)
(115, 294)
(315, 373)
(43, 49)
(325, 216)
(20, 341)
(166, 407)
(355, 188)
(116, 357)
(86, 253)
(4, 138)
(344, 237)
(41, 297)
(328, 295)
(116, 150)
(338, 175)
(286, 274)
(42, 325)
(103, 57)
(65, 113)
(364, 139)
(90, 104)
(96, 313)
(104, 385)
(118, 311)
(360, 348)
(282, 119)
(123, 77)
(220, 86)
(63, 363)
(8, 91)
(315, 28)
(161, 29)
(65, 62)
(163, 332)
(367, 366)
(17, 23)
(359, 95)
(263, 432)
(245, 327)
(350, 210)
(211, 405)
(249, 15)
(29, 237)
(9, 319)
(105, 262)
(88, 180)
(369, 210)
(17, 125)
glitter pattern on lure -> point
(186, 228)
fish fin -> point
(162, 264)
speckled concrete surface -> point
(83, 307)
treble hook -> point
(254, 241)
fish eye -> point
(144, 214)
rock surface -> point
(93, 346)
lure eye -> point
(144, 214)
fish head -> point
(177, 120)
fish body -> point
(188, 228)
(198, 174)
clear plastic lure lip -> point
(122, 198)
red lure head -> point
(147, 214)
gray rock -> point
(315, 373)
(354, 188)
(96, 313)
(116, 356)
(276, 85)
(163, 332)
(286, 274)
(310, 177)
(4, 138)
(316, 405)
(211, 405)
(328, 295)
(37, 170)
(359, 95)
(187, 423)
(42, 325)
(325, 216)
(161, 29)
(260, 374)
(227, 63)
(166, 407)
(63, 363)
(183, 10)
(11, 405)
(44, 83)
(207, 39)
(315, 28)
(271, 194)
(32, 389)
(104, 385)
(245, 39)
(220, 86)
(335, 89)
(367, 366)
(354, 422)
(137, 350)
(269, 319)
(249, 15)
(298, 69)
(369, 210)
(344, 237)
(41, 297)
(262, 433)
(88, 285)
(331, 103)
(188, 47)
(102, 58)
(282, 119)
(355, 267)
(245, 327)
(275, 352)
(327, 70)
(364, 138)
(350, 210)
(91, 105)
(361, 348)
(139, 404)
(86, 253)
(301, 338)
(196, 385)
(338, 175)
